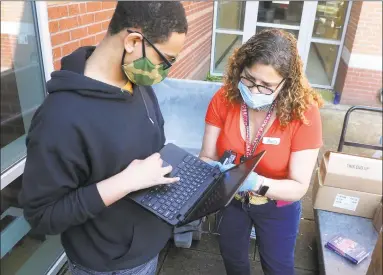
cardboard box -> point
(352, 172)
(375, 267)
(344, 201)
(377, 220)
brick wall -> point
(75, 24)
(359, 77)
(353, 25)
(365, 33)
(194, 60)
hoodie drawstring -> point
(146, 107)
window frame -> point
(305, 34)
(41, 27)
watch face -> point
(263, 190)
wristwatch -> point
(262, 190)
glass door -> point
(228, 31)
(284, 15)
(320, 28)
(235, 22)
(326, 41)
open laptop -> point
(201, 191)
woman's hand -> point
(252, 183)
(293, 188)
(221, 167)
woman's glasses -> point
(166, 63)
(261, 89)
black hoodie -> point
(84, 132)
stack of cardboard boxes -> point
(352, 185)
(348, 184)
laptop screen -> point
(233, 178)
(223, 191)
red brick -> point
(53, 26)
(60, 38)
(57, 12)
(105, 25)
(68, 23)
(93, 6)
(86, 19)
(69, 48)
(95, 28)
(83, 7)
(57, 65)
(79, 33)
(89, 41)
(74, 9)
(103, 15)
(56, 53)
(109, 5)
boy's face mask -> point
(142, 71)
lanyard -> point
(250, 148)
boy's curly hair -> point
(278, 49)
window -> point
(326, 42)
(22, 79)
(280, 12)
(319, 27)
(22, 92)
(228, 33)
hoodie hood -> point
(71, 78)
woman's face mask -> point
(260, 99)
(142, 71)
(254, 101)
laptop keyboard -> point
(167, 200)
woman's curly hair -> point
(278, 49)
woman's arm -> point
(301, 167)
(209, 144)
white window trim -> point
(278, 26)
(227, 31)
(326, 41)
(251, 17)
(213, 39)
(12, 173)
(45, 37)
(58, 265)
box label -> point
(346, 202)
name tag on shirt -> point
(271, 140)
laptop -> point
(201, 191)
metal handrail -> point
(343, 142)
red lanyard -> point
(250, 148)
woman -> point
(265, 104)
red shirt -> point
(296, 136)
